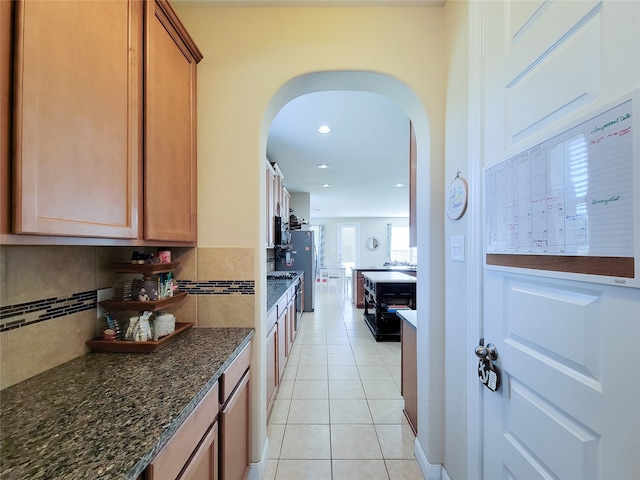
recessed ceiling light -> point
(324, 129)
(323, 165)
(326, 185)
(398, 185)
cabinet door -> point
(77, 122)
(270, 210)
(409, 374)
(359, 291)
(302, 295)
(193, 439)
(234, 436)
(291, 330)
(272, 367)
(170, 131)
(204, 463)
(286, 200)
(282, 344)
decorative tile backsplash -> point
(22, 314)
(217, 287)
(28, 313)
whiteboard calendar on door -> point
(570, 203)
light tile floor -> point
(338, 412)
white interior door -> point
(569, 403)
(348, 241)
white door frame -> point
(475, 244)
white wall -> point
(256, 60)
(301, 205)
(369, 227)
(456, 273)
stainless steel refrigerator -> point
(302, 256)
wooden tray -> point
(128, 346)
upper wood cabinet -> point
(270, 204)
(104, 122)
(77, 146)
(277, 201)
(170, 127)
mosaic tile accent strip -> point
(218, 287)
(23, 314)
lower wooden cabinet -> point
(272, 366)
(204, 463)
(192, 452)
(282, 344)
(234, 418)
(234, 433)
(291, 320)
(409, 374)
(213, 442)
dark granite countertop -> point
(106, 415)
(277, 288)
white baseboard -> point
(256, 470)
(429, 471)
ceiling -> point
(367, 153)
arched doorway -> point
(430, 350)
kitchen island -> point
(385, 294)
(107, 415)
(358, 279)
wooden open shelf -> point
(145, 268)
(135, 305)
(128, 346)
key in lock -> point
(488, 373)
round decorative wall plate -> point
(456, 201)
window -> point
(400, 252)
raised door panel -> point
(286, 200)
(282, 345)
(359, 290)
(409, 374)
(170, 134)
(291, 321)
(234, 438)
(302, 298)
(272, 367)
(77, 118)
(204, 463)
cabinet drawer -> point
(176, 453)
(234, 373)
